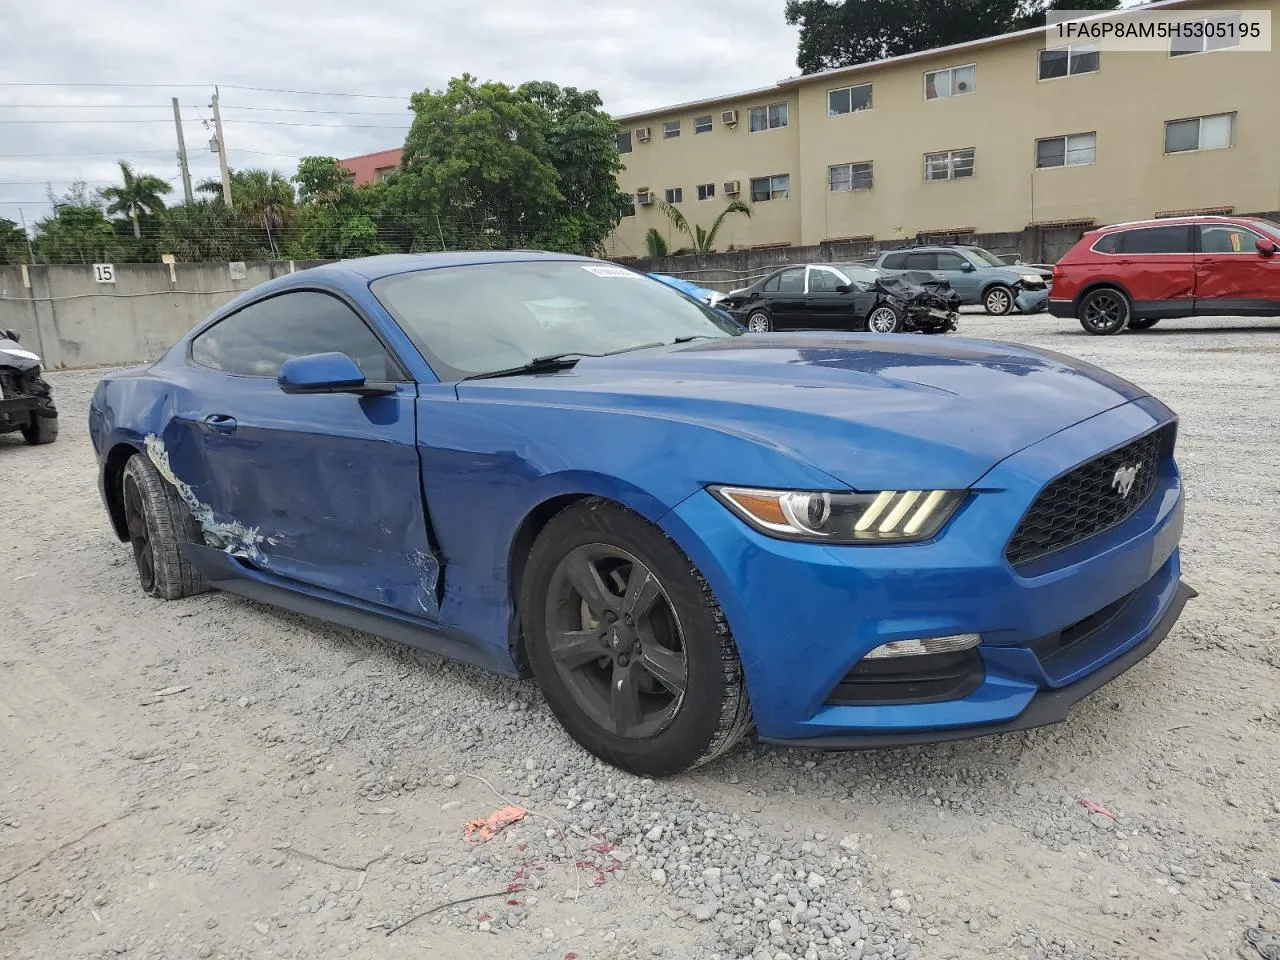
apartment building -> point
(991, 135)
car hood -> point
(874, 412)
(17, 357)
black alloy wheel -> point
(139, 536)
(1104, 311)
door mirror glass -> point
(325, 373)
(843, 288)
(9, 335)
(1265, 247)
(967, 267)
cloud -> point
(638, 53)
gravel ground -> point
(212, 778)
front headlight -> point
(890, 516)
(714, 298)
(1032, 279)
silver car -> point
(978, 276)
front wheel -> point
(998, 301)
(758, 322)
(628, 644)
(1143, 323)
(885, 319)
(1104, 311)
(159, 523)
(41, 430)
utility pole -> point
(222, 150)
(182, 152)
(30, 250)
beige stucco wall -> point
(1126, 103)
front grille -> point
(1087, 500)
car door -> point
(1232, 277)
(787, 304)
(825, 307)
(1156, 266)
(325, 489)
(951, 266)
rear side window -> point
(922, 261)
(1175, 239)
(895, 261)
(255, 341)
(791, 281)
(1109, 243)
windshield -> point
(494, 316)
(858, 273)
(1269, 227)
(990, 259)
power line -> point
(228, 86)
(123, 151)
(271, 123)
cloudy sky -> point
(60, 61)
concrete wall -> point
(63, 314)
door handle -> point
(220, 422)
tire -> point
(759, 322)
(699, 712)
(885, 319)
(41, 430)
(1104, 311)
(998, 300)
(159, 522)
(1143, 323)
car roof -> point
(1172, 221)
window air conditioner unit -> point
(642, 134)
(644, 198)
(732, 188)
(729, 118)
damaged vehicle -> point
(680, 531)
(26, 401)
(843, 296)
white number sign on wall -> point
(104, 272)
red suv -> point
(1136, 274)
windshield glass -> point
(1269, 227)
(494, 316)
(990, 259)
(858, 273)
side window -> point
(895, 261)
(255, 341)
(823, 281)
(1157, 240)
(1224, 238)
(791, 281)
(1109, 243)
(771, 285)
(922, 261)
(950, 261)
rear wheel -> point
(1104, 311)
(1144, 323)
(759, 322)
(998, 301)
(159, 523)
(885, 319)
(628, 644)
(41, 430)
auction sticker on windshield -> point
(603, 271)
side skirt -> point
(224, 572)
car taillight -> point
(1057, 273)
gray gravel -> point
(213, 778)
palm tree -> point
(655, 244)
(262, 197)
(703, 240)
(137, 197)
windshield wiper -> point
(692, 336)
(548, 364)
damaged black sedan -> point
(26, 402)
(845, 296)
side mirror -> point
(9, 335)
(1265, 247)
(843, 288)
(326, 373)
(967, 267)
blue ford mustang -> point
(552, 465)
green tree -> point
(13, 243)
(701, 239)
(840, 33)
(208, 230)
(139, 195)
(655, 244)
(261, 198)
(322, 180)
(75, 234)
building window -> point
(675, 194)
(384, 174)
(628, 204)
(948, 165)
(1214, 33)
(1070, 151)
(670, 129)
(706, 191)
(624, 141)
(1200, 133)
(952, 82)
(702, 124)
(1068, 61)
(777, 187)
(848, 100)
(849, 176)
(768, 118)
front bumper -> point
(1031, 300)
(804, 615)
